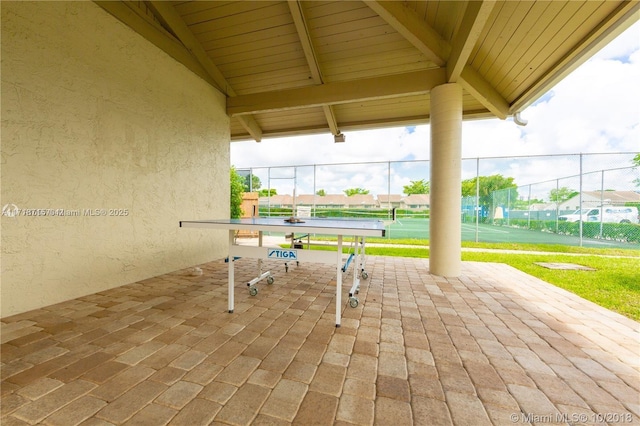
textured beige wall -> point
(95, 117)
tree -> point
(255, 183)
(355, 191)
(417, 187)
(237, 189)
(494, 190)
(561, 195)
(321, 192)
(636, 162)
(267, 192)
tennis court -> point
(419, 229)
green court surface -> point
(419, 229)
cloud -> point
(593, 110)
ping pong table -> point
(357, 228)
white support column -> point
(446, 192)
(339, 282)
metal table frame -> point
(357, 228)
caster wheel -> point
(253, 291)
(353, 302)
(270, 280)
(364, 275)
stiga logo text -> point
(282, 254)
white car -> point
(612, 214)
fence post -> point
(529, 209)
(580, 202)
(389, 207)
(269, 192)
(601, 201)
(477, 206)
(557, 203)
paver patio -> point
(495, 346)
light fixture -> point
(339, 138)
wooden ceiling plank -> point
(196, 7)
(370, 51)
(350, 30)
(365, 41)
(177, 25)
(624, 15)
(247, 69)
(319, 23)
(491, 40)
(353, 73)
(171, 17)
(520, 41)
(542, 45)
(209, 30)
(327, 11)
(260, 49)
(260, 55)
(271, 36)
(156, 35)
(339, 92)
(386, 57)
(249, 15)
(448, 18)
(414, 29)
(475, 18)
(282, 79)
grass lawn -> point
(615, 284)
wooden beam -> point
(167, 12)
(415, 82)
(480, 89)
(475, 18)
(312, 60)
(413, 28)
(429, 42)
(251, 126)
(305, 40)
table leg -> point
(259, 260)
(356, 266)
(231, 273)
(339, 281)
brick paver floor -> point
(495, 346)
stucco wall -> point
(95, 117)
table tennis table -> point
(357, 228)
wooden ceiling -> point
(298, 67)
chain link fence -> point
(582, 199)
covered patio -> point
(493, 346)
(116, 120)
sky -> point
(596, 109)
